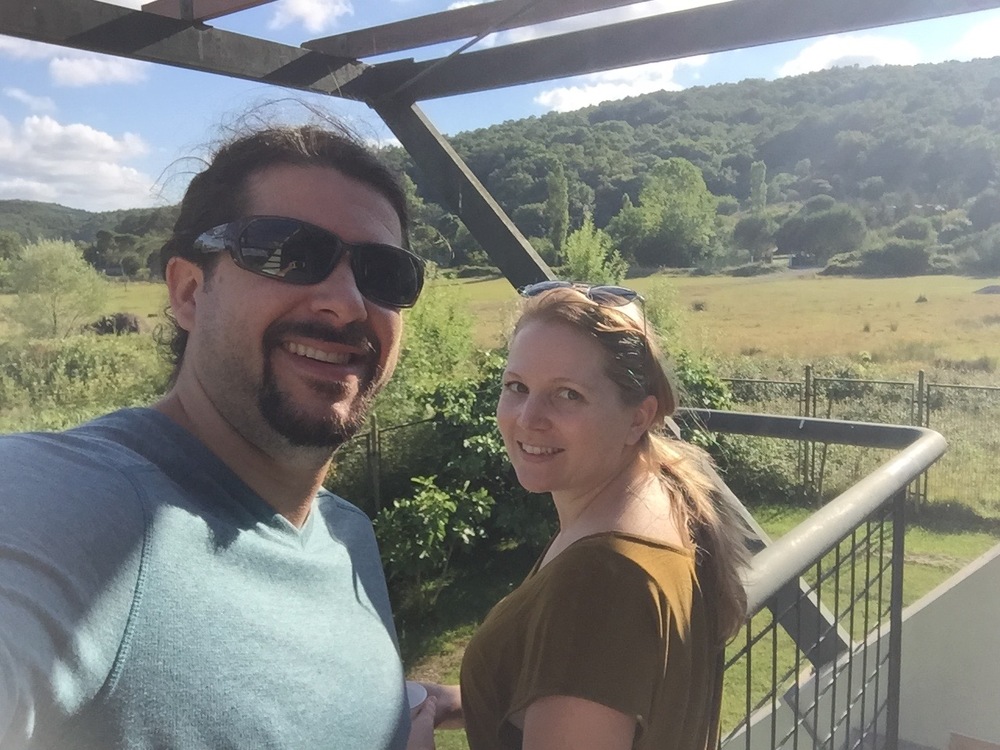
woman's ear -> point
(642, 419)
(184, 279)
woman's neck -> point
(633, 501)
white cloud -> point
(314, 15)
(982, 40)
(465, 4)
(22, 49)
(69, 67)
(616, 84)
(91, 70)
(34, 103)
(843, 50)
(75, 165)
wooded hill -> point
(890, 143)
(930, 130)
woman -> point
(614, 639)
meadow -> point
(905, 323)
(936, 323)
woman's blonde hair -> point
(635, 364)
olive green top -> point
(615, 618)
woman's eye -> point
(569, 394)
(515, 386)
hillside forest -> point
(875, 171)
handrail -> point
(795, 552)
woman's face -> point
(562, 419)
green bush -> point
(419, 534)
(54, 384)
(897, 257)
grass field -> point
(788, 315)
(801, 315)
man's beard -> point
(327, 430)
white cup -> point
(416, 694)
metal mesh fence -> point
(778, 694)
(968, 417)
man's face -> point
(297, 364)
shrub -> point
(753, 269)
(898, 257)
(419, 534)
(54, 384)
(473, 272)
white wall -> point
(951, 658)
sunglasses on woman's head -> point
(296, 252)
(607, 295)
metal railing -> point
(819, 663)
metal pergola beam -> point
(463, 194)
(200, 10)
(459, 23)
(110, 29)
(717, 28)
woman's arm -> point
(559, 722)
(449, 713)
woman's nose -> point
(533, 414)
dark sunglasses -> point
(296, 252)
(603, 294)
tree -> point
(557, 209)
(822, 234)
(674, 223)
(10, 245)
(591, 256)
(985, 210)
(56, 289)
(758, 187)
(916, 228)
(756, 234)
(10, 248)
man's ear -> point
(184, 279)
(642, 419)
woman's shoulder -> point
(616, 558)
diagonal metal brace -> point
(464, 195)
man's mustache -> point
(354, 334)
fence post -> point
(895, 621)
(375, 462)
(809, 452)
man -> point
(177, 577)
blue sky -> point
(102, 133)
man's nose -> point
(338, 294)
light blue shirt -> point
(150, 599)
